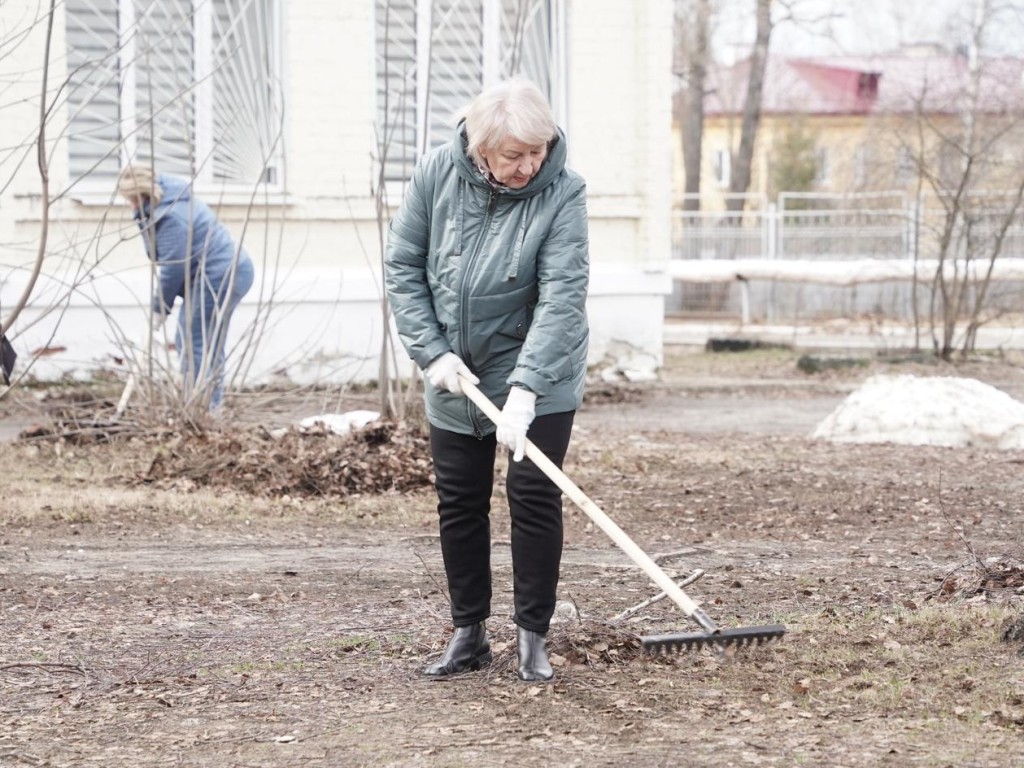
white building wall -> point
(23, 31)
(620, 124)
(315, 308)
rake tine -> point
(741, 637)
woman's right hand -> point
(444, 372)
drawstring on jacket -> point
(517, 248)
(458, 219)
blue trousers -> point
(201, 337)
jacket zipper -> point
(492, 204)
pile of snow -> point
(938, 410)
(340, 423)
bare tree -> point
(693, 28)
(44, 179)
(768, 15)
(961, 164)
(739, 183)
(390, 404)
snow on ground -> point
(932, 410)
(340, 423)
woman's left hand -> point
(516, 417)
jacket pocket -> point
(501, 336)
(500, 307)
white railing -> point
(830, 254)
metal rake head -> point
(720, 639)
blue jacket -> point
(497, 275)
(190, 244)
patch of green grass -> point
(352, 643)
(942, 660)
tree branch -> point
(44, 175)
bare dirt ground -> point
(163, 618)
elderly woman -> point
(487, 268)
(198, 262)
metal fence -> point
(834, 229)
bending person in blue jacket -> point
(487, 267)
(198, 262)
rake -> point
(713, 636)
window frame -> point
(491, 56)
(93, 189)
(722, 168)
(822, 167)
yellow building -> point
(855, 160)
(863, 125)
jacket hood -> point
(553, 165)
(176, 189)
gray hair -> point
(514, 109)
(138, 181)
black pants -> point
(464, 471)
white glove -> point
(444, 372)
(516, 417)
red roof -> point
(895, 84)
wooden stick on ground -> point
(697, 573)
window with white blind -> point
(189, 85)
(722, 169)
(434, 56)
(822, 170)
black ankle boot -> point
(533, 657)
(468, 650)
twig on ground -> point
(47, 666)
(431, 576)
(977, 562)
(659, 556)
(697, 573)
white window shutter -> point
(247, 115)
(456, 64)
(164, 85)
(189, 85)
(464, 45)
(526, 42)
(93, 86)
(396, 26)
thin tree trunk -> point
(44, 177)
(697, 52)
(739, 184)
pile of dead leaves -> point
(590, 643)
(992, 578)
(76, 416)
(382, 456)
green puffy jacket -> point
(497, 275)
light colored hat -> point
(138, 181)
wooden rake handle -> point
(594, 512)
(126, 395)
